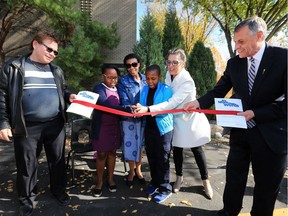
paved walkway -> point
(129, 201)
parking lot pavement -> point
(128, 201)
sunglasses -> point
(134, 64)
(172, 62)
(49, 49)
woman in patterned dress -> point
(129, 87)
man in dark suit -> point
(264, 99)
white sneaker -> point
(177, 184)
(208, 189)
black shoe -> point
(26, 206)
(25, 210)
(140, 180)
(63, 198)
(129, 183)
(97, 192)
(222, 212)
(112, 188)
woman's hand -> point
(138, 108)
(191, 105)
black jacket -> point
(270, 84)
(11, 92)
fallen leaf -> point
(75, 207)
(171, 204)
(186, 202)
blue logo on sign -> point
(84, 94)
(226, 103)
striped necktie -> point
(251, 74)
(251, 77)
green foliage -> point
(172, 36)
(83, 41)
(149, 47)
(201, 66)
(82, 56)
(228, 13)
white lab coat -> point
(190, 129)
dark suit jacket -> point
(270, 84)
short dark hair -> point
(42, 35)
(130, 56)
(152, 68)
(106, 67)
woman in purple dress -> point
(106, 135)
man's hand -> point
(248, 114)
(72, 97)
(6, 134)
(191, 105)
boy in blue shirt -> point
(158, 134)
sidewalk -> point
(128, 201)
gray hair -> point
(255, 24)
(178, 51)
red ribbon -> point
(122, 113)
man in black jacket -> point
(258, 76)
(32, 111)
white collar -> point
(259, 54)
(112, 89)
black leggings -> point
(199, 157)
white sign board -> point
(79, 109)
(230, 120)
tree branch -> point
(18, 47)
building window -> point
(86, 6)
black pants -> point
(51, 134)
(268, 169)
(158, 150)
(199, 157)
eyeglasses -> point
(110, 78)
(172, 62)
(49, 49)
(134, 64)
